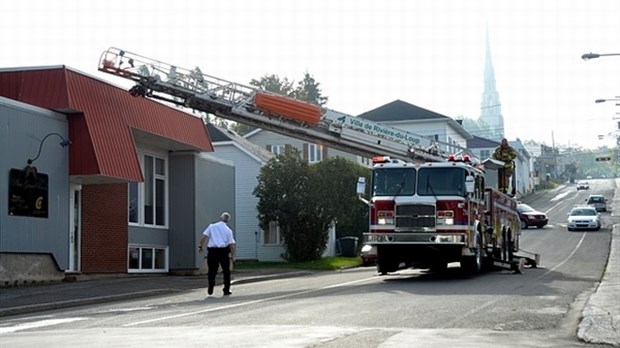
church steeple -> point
(491, 108)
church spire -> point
(491, 108)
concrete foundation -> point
(18, 269)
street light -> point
(604, 100)
(597, 55)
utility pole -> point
(555, 157)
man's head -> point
(504, 143)
(225, 217)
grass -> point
(324, 264)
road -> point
(358, 308)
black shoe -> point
(210, 290)
(227, 293)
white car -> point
(583, 218)
(583, 185)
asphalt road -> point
(358, 308)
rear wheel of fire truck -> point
(506, 246)
(473, 264)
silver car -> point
(583, 218)
(597, 201)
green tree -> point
(275, 84)
(283, 190)
(308, 90)
(335, 193)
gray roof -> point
(221, 135)
(399, 110)
(480, 143)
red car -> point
(531, 217)
(369, 255)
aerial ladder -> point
(236, 102)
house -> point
(131, 193)
(253, 243)
(399, 114)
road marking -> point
(583, 236)
(37, 324)
(560, 196)
(240, 304)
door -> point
(75, 217)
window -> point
(441, 182)
(272, 234)
(147, 259)
(365, 161)
(147, 201)
(277, 149)
(393, 182)
(315, 153)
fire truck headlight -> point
(445, 221)
(387, 220)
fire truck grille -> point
(415, 216)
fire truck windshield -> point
(393, 182)
(441, 181)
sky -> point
(364, 53)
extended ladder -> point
(290, 117)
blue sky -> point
(364, 53)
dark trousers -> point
(218, 257)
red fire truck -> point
(431, 214)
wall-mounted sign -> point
(28, 193)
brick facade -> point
(104, 228)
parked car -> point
(583, 185)
(583, 218)
(597, 201)
(531, 217)
(369, 255)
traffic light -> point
(603, 158)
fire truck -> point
(427, 208)
(427, 215)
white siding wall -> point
(248, 233)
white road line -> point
(240, 304)
(37, 324)
(583, 236)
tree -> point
(335, 193)
(273, 83)
(308, 90)
(477, 127)
(283, 190)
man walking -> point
(219, 240)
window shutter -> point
(268, 148)
(305, 152)
(287, 147)
(324, 148)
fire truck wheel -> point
(473, 264)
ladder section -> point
(269, 111)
